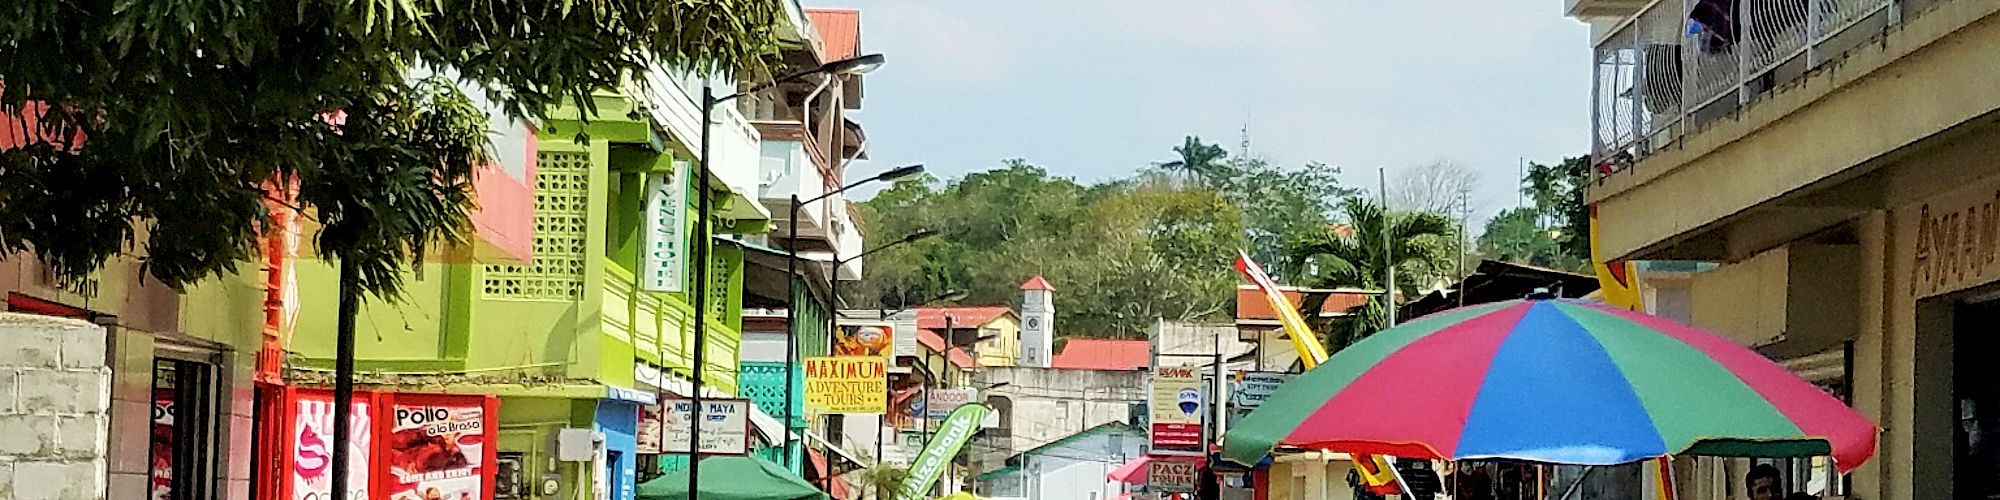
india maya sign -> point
(663, 266)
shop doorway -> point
(183, 444)
(1976, 398)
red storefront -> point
(403, 446)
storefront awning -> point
(849, 459)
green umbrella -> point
(734, 478)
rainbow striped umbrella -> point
(1553, 381)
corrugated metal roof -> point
(1103, 354)
(839, 30)
(961, 317)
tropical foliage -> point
(1554, 232)
(1122, 254)
(1418, 245)
(154, 126)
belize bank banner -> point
(402, 446)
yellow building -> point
(993, 332)
(1839, 160)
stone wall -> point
(54, 393)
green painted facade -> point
(574, 314)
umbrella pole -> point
(1398, 474)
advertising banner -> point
(312, 448)
(437, 448)
(847, 384)
(951, 437)
(1176, 411)
(663, 264)
(651, 428)
(1255, 387)
(725, 426)
(943, 401)
(906, 333)
(864, 339)
(1171, 475)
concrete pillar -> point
(54, 394)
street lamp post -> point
(852, 66)
(792, 286)
(833, 320)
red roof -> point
(930, 339)
(1037, 283)
(839, 29)
(1103, 354)
(961, 317)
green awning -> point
(733, 478)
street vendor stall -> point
(1552, 381)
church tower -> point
(1038, 319)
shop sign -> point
(906, 334)
(1255, 387)
(1176, 411)
(1955, 243)
(864, 339)
(652, 419)
(438, 448)
(663, 265)
(725, 426)
(942, 401)
(847, 385)
(312, 453)
(1171, 475)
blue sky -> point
(1097, 89)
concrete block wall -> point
(54, 402)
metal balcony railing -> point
(1679, 64)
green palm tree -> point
(1351, 256)
(1198, 161)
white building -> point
(1071, 468)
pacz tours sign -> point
(1954, 243)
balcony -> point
(659, 327)
(672, 98)
(788, 170)
(1714, 145)
(1661, 74)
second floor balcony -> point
(1675, 66)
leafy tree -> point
(1515, 235)
(1558, 192)
(1418, 246)
(1124, 253)
(153, 125)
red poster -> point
(312, 445)
(438, 448)
(652, 422)
(163, 443)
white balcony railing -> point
(1678, 64)
(787, 170)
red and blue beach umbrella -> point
(1552, 381)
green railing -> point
(660, 328)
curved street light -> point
(846, 67)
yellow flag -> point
(1311, 352)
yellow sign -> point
(847, 384)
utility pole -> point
(1388, 260)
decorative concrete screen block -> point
(54, 393)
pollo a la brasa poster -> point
(436, 451)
